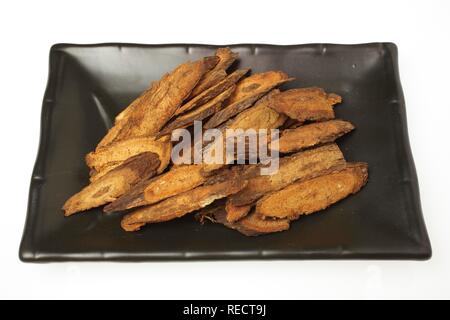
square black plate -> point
(89, 84)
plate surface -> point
(89, 84)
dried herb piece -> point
(202, 112)
(306, 104)
(177, 180)
(299, 166)
(214, 76)
(110, 156)
(247, 92)
(259, 116)
(251, 225)
(302, 198)
(212, 92)
(313, 134)
(181, 204)
(153, 109)
(235, 213)
(113, 184)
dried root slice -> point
(122, 117)
(306, 104)
(212, 92)
(181, 204)
(124, 114)
(247, 92)
(226, 59)
(313, 195)
(202, 112)
(113, 184)
(210, 79)
(177, 180)
(131, 199)
(312, 135)
(259, 116)
(100, 172)
(157, 105)
(251, 225)
(291, 124)
(299, 166)
(235, 213)
(117, 152)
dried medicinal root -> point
(313, 195)
(212, 92)
(312, 135)
(300, 166)
(251, 225)
(181, 204)
(118, 152)
(198, 114)
(113, 184)
(259, 116)
(235, 213)
(131, 199)
(291, 124)
(210, 79)
(121, 118)
(306, 104)
(123, 115)
(247, 92)
(177, 180)
(226, 59)
(159, 103)
(100, 172)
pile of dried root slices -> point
(131, 167)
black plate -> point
(89, 85)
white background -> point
(421, 31)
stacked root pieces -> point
(131, 167)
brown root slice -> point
(306, 104)
(299, 166)
(210, 79)
(131, 199)
(313, 195)
(181, 204)
(113, 184)
(259, 116)
(212, 92)
(156, 106)
(108, 157)
(247, 92)
(251, 225)
(201, 113)
(290, 123)
(218, 73)
(209, 63)
(313, 134)
(177, 180)
(101, 171)
(235, 213)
